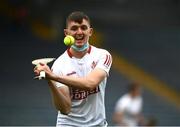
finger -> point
(35, 68)
(36, 72)
(42, 64)
(39, 67)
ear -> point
(65, 32)
(90, 31)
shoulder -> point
(60, 60)
(125, 97)
(122, 102)
(99, 50)
(101, 53)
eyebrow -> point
(83, 25)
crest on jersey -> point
(93, 65)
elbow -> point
(92, 83)
(64, 111)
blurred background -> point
(143, 37)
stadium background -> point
(142, 35)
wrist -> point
(50, 76)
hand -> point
(43, 67)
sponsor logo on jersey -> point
(77, 94)
(72, 73)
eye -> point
(74, 28)
(84, 27)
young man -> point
(78, 77)
(128, 108)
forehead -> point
(73, 23)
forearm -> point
(88, 82)
(61, 100)
(80, 83)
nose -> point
(79, 31)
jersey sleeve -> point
(105, 61)
(55, 69)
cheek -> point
(89, 33)
(72, 32)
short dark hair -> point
(77, 16)
(133, 86)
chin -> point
(79, 43)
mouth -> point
(79, 37)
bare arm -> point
(61, 97)
(88, 82)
